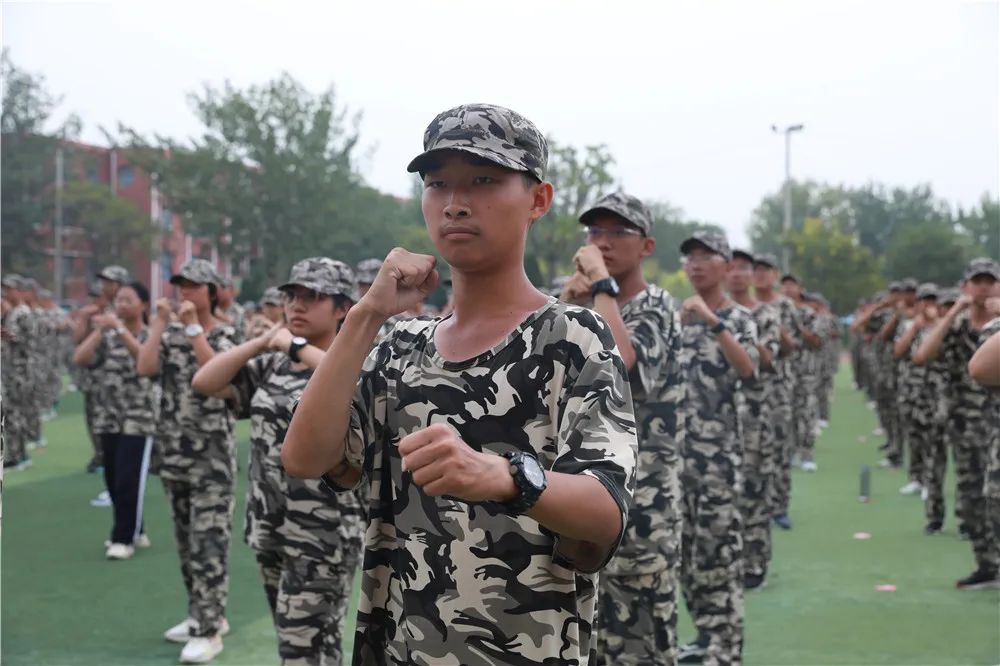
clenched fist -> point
(404, 280)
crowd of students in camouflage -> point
(691, 414)
(911, 356)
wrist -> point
(504, 488)
(597, 275)
(365, 315)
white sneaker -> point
(142, 541)
(119, 551)
(924, 493)
(879, 432)
(824, 424)
(911, 488)
(181, 633)
(201, 650)
(103, 499)
(809, 466)
(24, 464)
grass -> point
(65, 605)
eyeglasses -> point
(302, 295)
(692, 259)
(596, 233)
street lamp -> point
(787, 131)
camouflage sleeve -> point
(656, 340)
(597, 437)
(247, 381)
(366, 421)
(992, 328)
(770, 332)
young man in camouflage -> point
(805, 363)
(914, 408)
(230, 310)
(498, 444)
(759, 442)
(898, 368)
(830, 358)
(306, 539)
(198, 452)
(780, 397)
(18, 402)
(638, 599)
(718, 353)
(984, 368)
(955, 339)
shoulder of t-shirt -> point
(223, 331)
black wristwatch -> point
(295, 346)
(718, 328)
(607, 286)
(529, 477)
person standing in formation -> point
(198, 452)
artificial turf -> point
(64, 604)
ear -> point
(648, 245)
(542, 194)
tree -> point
(579, 178)
(929, 252)
(27, 178)
(670, 229)
(116, 228)
(826, 259)
(981, 224)
(273, 172)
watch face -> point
(533, 472)
(299, 340)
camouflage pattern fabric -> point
(885, 392)
(780, 400)
(712, 484)
(324, 276)
(446, 581)
(638, 620)
(806, 405)
(308, 539)
(714, 242)
(491, 132)
(992, 488)
(914, 408)
(829, 359)
(367, 270)
(236, 315)
(200, 271)
(638, 600)
(622, 205)
(202, 509)
(759, 451)
(974, 431)
(123, 401)
(19, 406)
(197, 430)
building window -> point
(167, 220)
(126, 176)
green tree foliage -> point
(29, 136)
(930, 251)
(981, 225)
(825, 258)
(272, 178)
(117, 230)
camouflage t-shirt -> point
(299, 517)
(123, 401)
(714, 391)
(767, 317)
(653, 532)
(196, 430)
(960, 343)
(451, 582)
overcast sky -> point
(683, 93)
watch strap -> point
(528, 494)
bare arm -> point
(984, 367)
(606, 306)
(217, 373)
(902, 346)
(931, 346)
(888, 331)
(87, 350)
(147, 364)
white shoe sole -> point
(989, 585)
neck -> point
(206, 319)
(630, 284)
(744, 298)
(134, 324)
(713, 296)
(479, 296)
(324, 340)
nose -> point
(457, 207)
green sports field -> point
(63, 603)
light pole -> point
(787, 131)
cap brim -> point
(743, 255)
(692, 243)
(176, 279)
(992, 274)
(764, 262)
(421, 162)
(591, 213)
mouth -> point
(297, 321)
(458, 232)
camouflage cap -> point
(789, 277)
(29, 283)
(909, 284)
(743, 254)
(325, 276)
(367, 269)
(198, 270)
(709, 240)
(625, 206)
(492, 132)
(927, 290)
(44, 294)
(948, 295)
(13, 281)
(766, 259)
(272, 296)
(809, 296)
(982, 266)
(558, 282)
(895, 286)
(117, 274)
